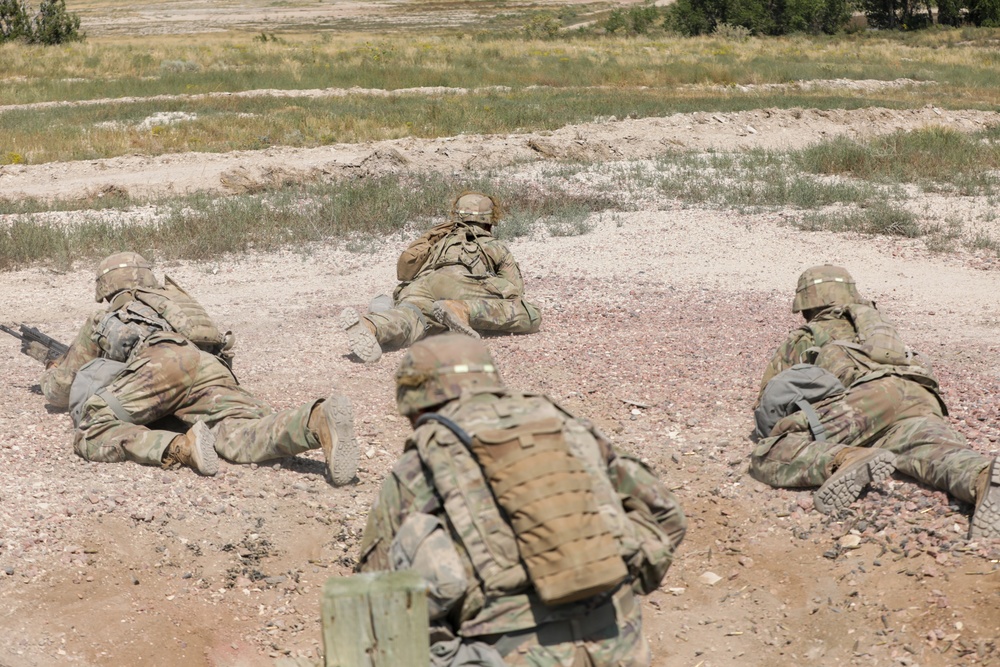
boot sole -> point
(445, 317)
(362, 342)
(846, 484)
(342, 461)
(986, 519)
(203, 454)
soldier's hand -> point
(35, 350)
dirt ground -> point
(657, 325)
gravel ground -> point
(657, 326)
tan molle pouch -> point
(564, 541)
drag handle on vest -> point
(37, 345)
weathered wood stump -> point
(376, 620)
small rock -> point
(850, 542)
(710, 578)
(9, 571)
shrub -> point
(896, 14)
(14, 23)
(984, 13)
(635, 21)
(542, 26)
(53, 24)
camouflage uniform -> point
(468, 264)
(456, 277)
(893, 407)
(481, 591)
(167, 375)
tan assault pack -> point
(413, 258)
(566, 546)
(566, 543)
(184, 315)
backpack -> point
(524, 500)
(413, 258)
(90, 379)
(794, 389)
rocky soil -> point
(657, 326)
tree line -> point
(780, 17)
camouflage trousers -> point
(493, 306)
(889, 412)
(610, 636)
(171, 379)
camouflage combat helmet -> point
(438, 369)
(823, 286)
(476, 207)
(121, 271)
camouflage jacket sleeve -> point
(656, 515)
(506, 265)
(57, 379)
(406, 490)
(789, 353)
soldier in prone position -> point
(154, 353)
(534, 535)
(888, 415)
(456, 277)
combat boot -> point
(454, 315)
(360, 336)
(195, 449)
(853, 469)
(332, 422)
(986, 519)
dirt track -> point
(599, 141)
(657, 326)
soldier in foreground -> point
(534, 535)
(155, 353)
(888, 414)
(456, 276)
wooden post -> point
(377, 619)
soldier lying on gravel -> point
(534, 535)
(154, 353)
(456, 276)
(879, 409)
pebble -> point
(710, 578)
(850, 542)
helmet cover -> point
(824, 286)
(476, 207)
(440, 368)
(122, 271)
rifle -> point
(37, 345)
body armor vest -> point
(529, 498)
(873, 350)
(137, 314)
